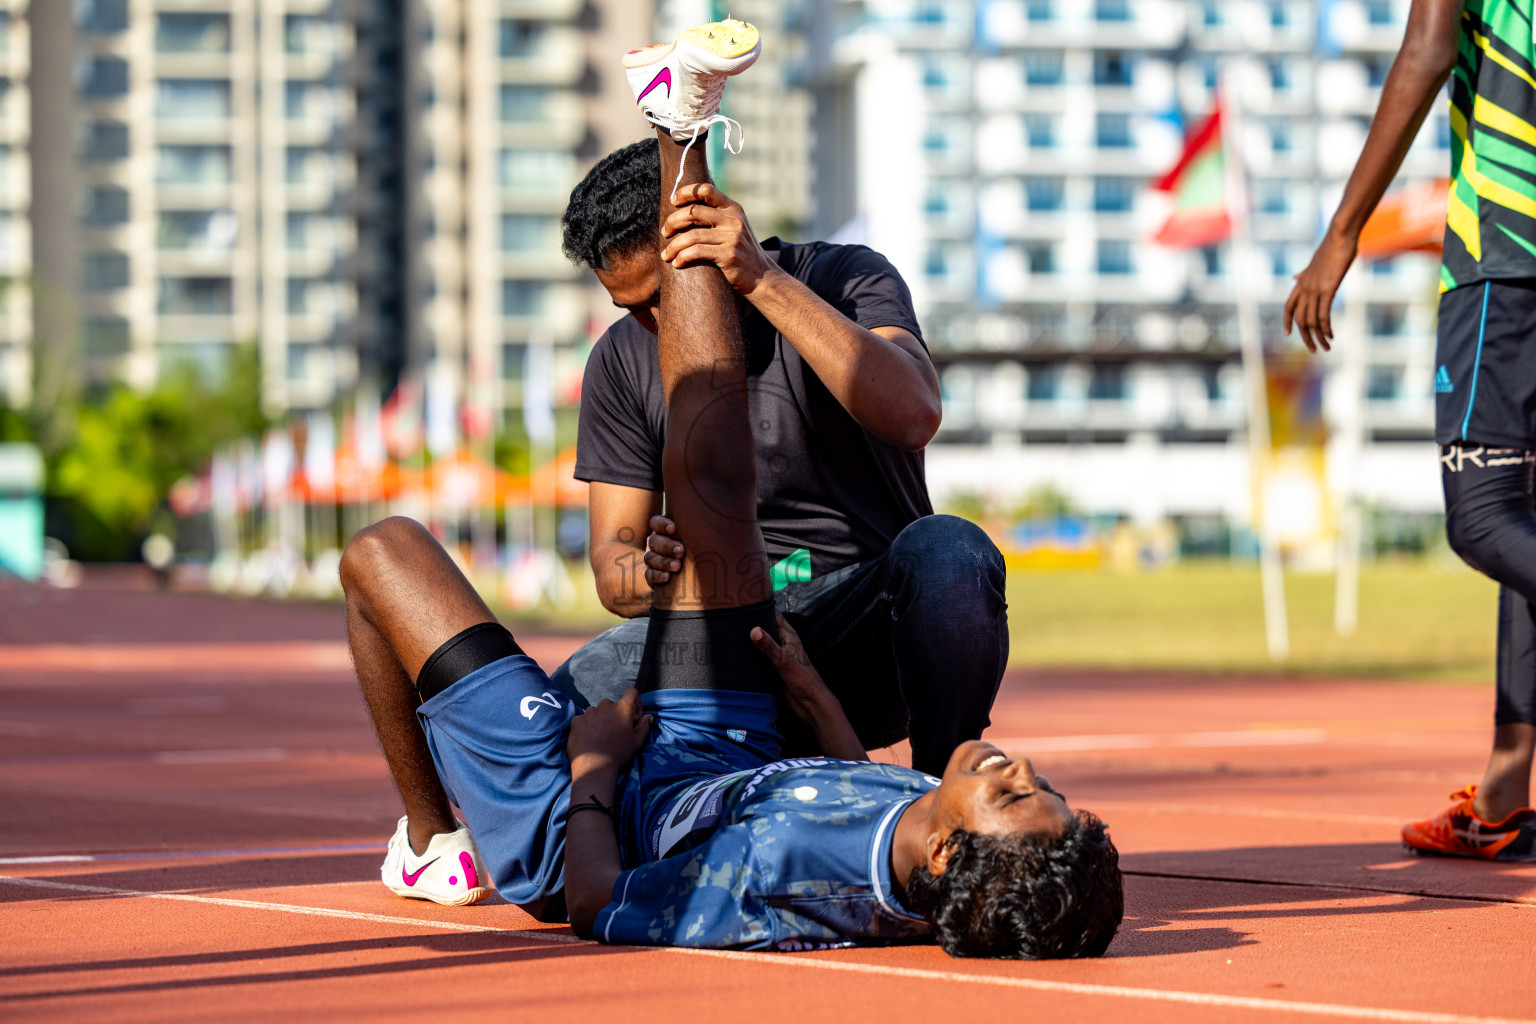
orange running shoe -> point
(1457, 831)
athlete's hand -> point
(1311, 303)
(711, 227)
(803, 685)
(608, 735)
(663, 554)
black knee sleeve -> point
(708, 650)
(461, 654)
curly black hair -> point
(1025, 896)
(614, 210)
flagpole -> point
(1351, 440)
(1272, 580)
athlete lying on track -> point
(665, 818)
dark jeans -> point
(913, 643)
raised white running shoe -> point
(678, 85)
(450, 872)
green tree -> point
(128, 448)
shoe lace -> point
(700, 126)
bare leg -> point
(708, 466)
(1506, 785)
(405, 598)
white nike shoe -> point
(678, 85)
(450, 872)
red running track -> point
(194, 811)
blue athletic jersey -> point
(788, 855)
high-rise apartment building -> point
(1000, 152)
(15, 223)
(202, 194)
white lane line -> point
(1152, 740)
(286, 908)
(258, 755)
(787, 960)
(54, 859)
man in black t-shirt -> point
(902, 610)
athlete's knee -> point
(950, 548)
(387, 542)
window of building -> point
(519, 38)
(1376, 69)
(306, 100)
(105, 206)
(524, 104)
(1383, 268)
(1208, 71)
(105, 271)
(1383, 384)
(193, 165)
(1280, 138)
(1214, 259)
(296, 230)
(1111, 10)
(1040, 257)
(1113, 131)
(936, 141)
(936, 264)
(306, 165)
(1210, 13)
(1443, 134)
(1279, 260)
(106, 336)
(930, 12)
(1114, 195)
(1040, 10)
(106, 140)
(196, 296)
(523, 298)
(305, 33)
(299, 295)
(528, 232)
(1273, 198)
(192, 33)
(1386, 321)
(1044, 67)
(936, 203)
(1379, 12)
(934, 75)
(1044, 383)
(543, 169)
(1040, 130)
(105, 78)
(1279, 75)
(1111, 67)
(196, 229)
(192, 98)
(102, 17)
(1043, 194)
(1107, 383)
(1114, 256)
(1279, 14)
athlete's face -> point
(634, 284)
(986, 791)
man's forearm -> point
(592, 860)
(619, 572)
(892, 393)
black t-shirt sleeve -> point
(862, 285)
(615, 439)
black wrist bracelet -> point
(592, 803)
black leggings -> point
(1490, 520)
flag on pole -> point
(442, 411)
(320, 453)
(368, 431)
(539, 391)
(276, 466)
(401, 419)
(1202, 213)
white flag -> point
(320, 453)
(442, 411)
(539, 390)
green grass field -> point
(1432, 619)
(1418, 620)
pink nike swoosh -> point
(471, 876)
(410, 876)
(664, 76)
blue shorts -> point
(498, 738)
